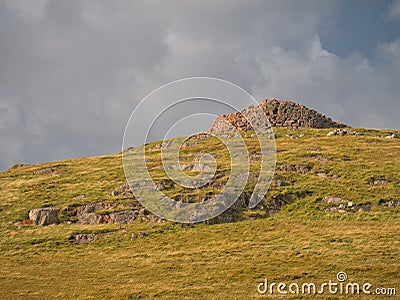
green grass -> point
(300, 244)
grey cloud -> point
(72, 71)
(394, 10)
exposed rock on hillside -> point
(280, 113)
(44, 216)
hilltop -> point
(333, 206)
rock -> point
(392, 136)
(291, 136)
(343, 132)
(331, 133)
(44, 216)
(320, 159)
(15, 166)
(123, 190)
(88, 218)
(322, 174)
(87, 214)
(123, 217)
(364, 207)
(328, 199)
(79, 197)
(301, 169)
(44, 171)
(330, 209)
(390, 203)
(91, 237)
(379, 182)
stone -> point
(343, 132)
(123, 217)
(44, 171)
(123, 190)
(87, 214)
(364, 207)
(44, 216)
(15, 166)
(379, 182)
(328, 199)
(390, 203)
(320, 159)
(91, 237)
(300, 169)
(391, 136)
(331, 209)
(291, 136)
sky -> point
(71, 72)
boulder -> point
(44, 216)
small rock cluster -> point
(280, 113)
(300, 169)
(80, 238)
(343, 132)
(343, 205)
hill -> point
(333, 206)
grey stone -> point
(329, 199)
(44, 216)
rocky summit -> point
(280, 113)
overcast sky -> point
(71, 72)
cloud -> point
(72, 71)
(349, 89)
(394, 10)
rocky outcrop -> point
(112, 213)
(280, 113)
(44, 216)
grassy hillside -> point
(300, 243)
